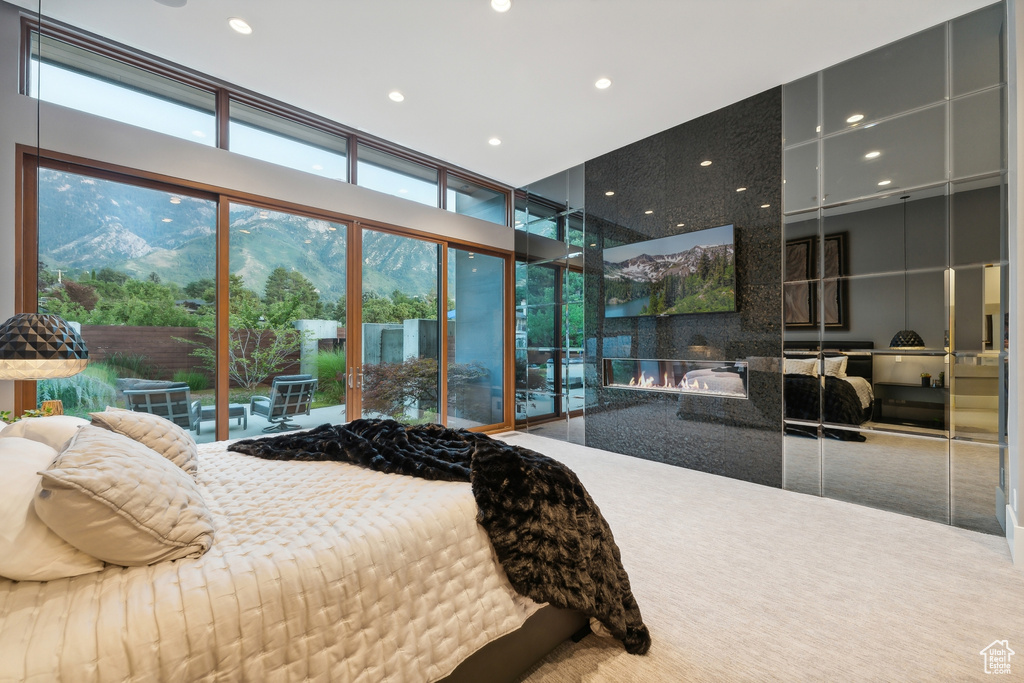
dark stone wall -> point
(662, 174)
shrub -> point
(330, 365)
(394, 389)
(85, 392)
(196, 380)
(131, 365)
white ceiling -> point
(526, 76)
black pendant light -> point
(906, 338)
(38, 345)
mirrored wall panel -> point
(896, 278)
(900, 473)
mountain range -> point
(90, 223)
(655, 267)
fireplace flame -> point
(685, 384)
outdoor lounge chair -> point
(172, 401)
(290, 395)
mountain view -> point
(697, 280)
(91, 224)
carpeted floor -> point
(740, 582)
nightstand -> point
(911, 404)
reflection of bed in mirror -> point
(728, 379)
(848, 385)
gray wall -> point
(662, 174)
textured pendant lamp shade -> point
(40, 346)
(906, 339)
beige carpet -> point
(740, 582)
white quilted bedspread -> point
(319, 571)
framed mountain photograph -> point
(690, 273)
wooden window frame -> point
(225, 92)
(29, 159)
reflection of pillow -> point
(159, 433)
(54, 430)
(115, 499)
(836, 366)
(29, 551)
(801, 366)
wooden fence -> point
(157, 346)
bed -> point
(848, 394)
(318, 571)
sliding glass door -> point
(132, 267)
(400, 328)
(287, 324)
(476, 330)
(263, 318)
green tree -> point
(204, 288)
(292, 286)
(257, 346)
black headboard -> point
(857, 365)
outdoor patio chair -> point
(290, 395)
(173, 401)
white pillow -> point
(122, 502)
(29, 550)
(835, 366)
(54, 430)
(154, 431)
(801, 366)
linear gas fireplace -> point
(727, 379)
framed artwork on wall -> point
(801, 283)
(833, 290)
(797, 289)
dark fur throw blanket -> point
(550, 537)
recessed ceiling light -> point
(648, 212)
(245, 231)
(884, 182)
(332, 228)
(741, 189)
(167, 220)
(817, 129)
(396, 96)
(679, 225)
(494, 142)
(240, 25)
(501, 5)
(175, 200)
(765, 206)
(593, 244)
(872, 155)
(609, 193)
(603, 83)
(705, 163)
(855, 118)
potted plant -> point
(926, 379)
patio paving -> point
(256, 423)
